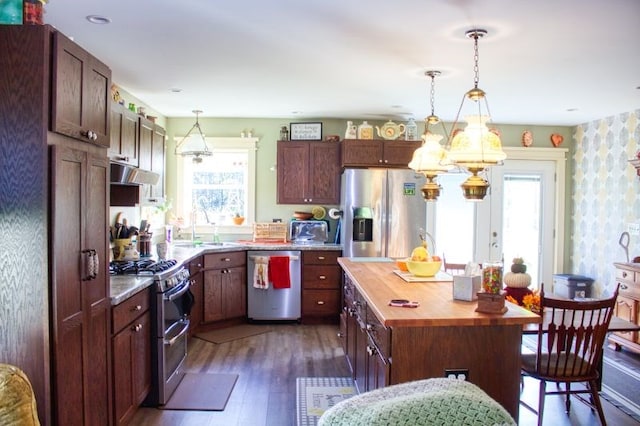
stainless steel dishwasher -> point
(274, 303)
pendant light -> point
(476, 147)
(431, 158)
(193, 144)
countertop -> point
(124, 286)
(378, 284)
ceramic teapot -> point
(390, 130)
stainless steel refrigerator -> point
(383, 212)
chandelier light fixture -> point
(193, 144)
(431, 158)
(476, 147)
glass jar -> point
(492, 277)
(411, 130)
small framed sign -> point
(305, 131)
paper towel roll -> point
(335, 213)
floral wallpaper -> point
(605, 199)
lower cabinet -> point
(131, 355)
(225, 286)
(321, 279)
(628, 305)
(366, 341)
(197, 288)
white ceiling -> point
(554, 62)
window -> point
(222, 185)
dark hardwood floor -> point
(269, 363)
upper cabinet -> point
(81, 105)
(308, 172)
(124, 135)
(152, 147)
(378, 153)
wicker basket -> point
(270, 232)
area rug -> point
(202, 392)
(314, 395)
(233, 333)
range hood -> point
(122, 174)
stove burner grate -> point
(140, 267)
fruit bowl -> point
(302, 215)
(424, 269)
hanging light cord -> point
(476, 57)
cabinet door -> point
(80, 93)
(235, 292)
(399, 153)
(293, 167)
(124, 135)
(157, 159)
(132, 367)
(324, 173)
(213, 309)
(197, 288)
(627, 309)
(361, 153)
(80, 303)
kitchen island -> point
(387, 345)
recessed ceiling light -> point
(175, 90)
(98, 19)
(572, 109)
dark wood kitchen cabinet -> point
(131, 355)
(152, 152)
(378, 153)
(81, 84)
(308, 172)
(80, 303)
(366, 341)
(124, 135)
(197, 288)
(55, 203)
(321, 283)
(225, 286)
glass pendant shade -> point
(430, 160)
(476, 146)
(431, 156)
(194, 144)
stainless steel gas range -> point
(171, 302)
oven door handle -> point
(179, 291)
(185, 329)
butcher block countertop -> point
(378, 284)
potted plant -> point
(238, 219)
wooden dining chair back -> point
(570, 345)
(452, 268)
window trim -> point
(249, 144)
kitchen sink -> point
(189, 243)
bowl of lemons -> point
(422, 264)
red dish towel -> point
(279, 271)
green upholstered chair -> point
(421, 402)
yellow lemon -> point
(420, 254)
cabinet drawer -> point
(320, 257)
(625, 275)
(627, 309)
(130, 309)
(321, 276)
(321, 302)
(225, 260)
(628, 289)
(380, 335)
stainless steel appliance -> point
(274, 304)
(171, 303)
(383, 212)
